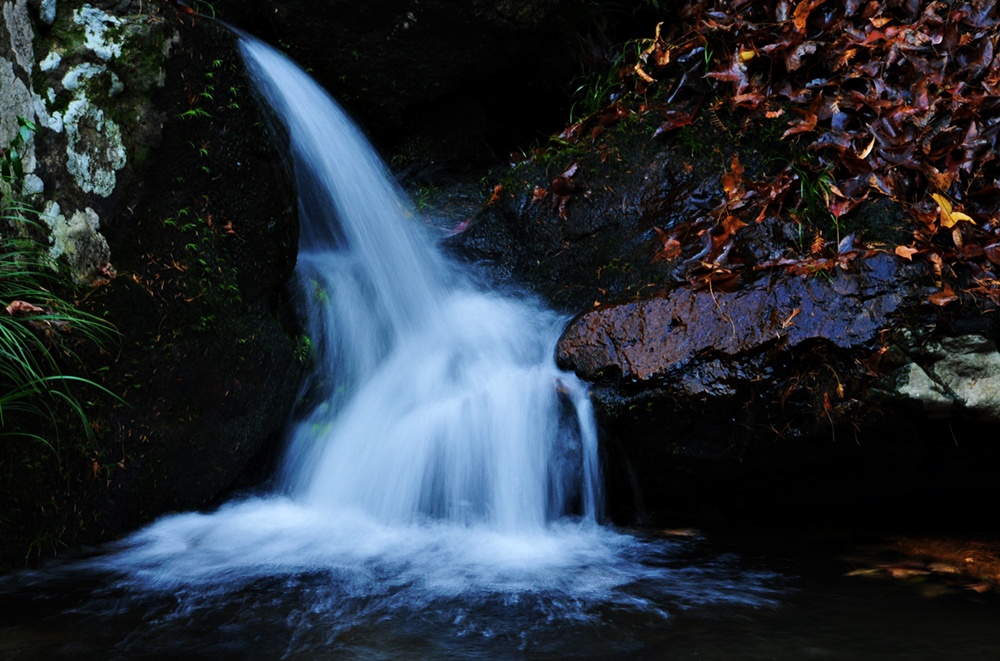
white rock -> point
(920, 388)
(96, 25)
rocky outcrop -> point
(654, 340)
(737, 369)
(167, 203)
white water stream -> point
(447, 439)
(451, 468)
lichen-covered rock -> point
(92, 111)
(167, 203)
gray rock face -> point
(92, 111)
(962, 377)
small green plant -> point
(204, 8)
(192, 113)
(815, 188)
(11, 166)
(594, 91)
(304, 352)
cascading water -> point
(445, 402)
(449, 478)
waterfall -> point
(444, 492)
(447, 453)
(441, 402)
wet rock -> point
(931, 396)
(650, 339)
(739, 370)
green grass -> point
(38, 333)
(38, 328)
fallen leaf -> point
(496, 194)
(23, 307)
(993, 253)
(817, 245)
(906, 572)
(801, 14)
(671, 246)
(906, 252)
(867, 150)
(944, 297)
(948, 216)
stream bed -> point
(751, 596)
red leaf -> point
(736, 74)
(674, 119)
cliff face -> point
(166, 203)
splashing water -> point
(450, 466)
(446, 403)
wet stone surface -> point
(647, 340)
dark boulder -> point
(168, 203)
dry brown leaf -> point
(496, 194)
(906, 252)
(863, 154)
(800, 17)
(944, 297)
(671, 246)
(992, 252)
(816, 247)
(23, 307)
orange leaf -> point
(944, 297)
(863, 154)
(671, 246)
(496, 194)
(731, 224)
(732, 181)
(906, 252)
(801, 14)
